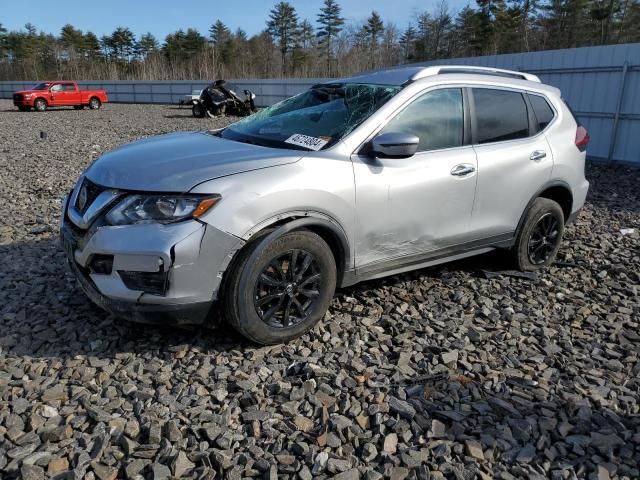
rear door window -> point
(68, 87)
(500, 115)
(542, 110)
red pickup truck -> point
(58, 94)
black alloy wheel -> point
(543, 239)
(539, 238)
(287, 288)
(279, 285)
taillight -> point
(582, 138)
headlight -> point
(28, 96)
(159, 208)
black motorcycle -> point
(217, 100)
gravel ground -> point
(455, 372)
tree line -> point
(324, 46)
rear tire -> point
(40, 105)
(539, 239)
(94, 103)
(268, 302)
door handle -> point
(462, 169)
(537, 155)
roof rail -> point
(440, 69)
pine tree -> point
(303, 44)
(466, 28)
(121, 43)
(220, 37)
(283, 26)
(219, 33)
(193, 42)
(31, 29)
(146, 46)
(330, 26)
(407, 42)
(373, 30)
(92, 45)
(71, 38)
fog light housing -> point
(101, 264)
(155, 283)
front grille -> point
(88, 192)
(17, 97)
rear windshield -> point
(313, 120)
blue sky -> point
(164, 16)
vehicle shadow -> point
(44, 313)
(187, 114)
(52, 109)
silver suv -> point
(351, 180)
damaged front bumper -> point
(150, 273)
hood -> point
(22, 92)
(177, 162)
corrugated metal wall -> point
(602, 85)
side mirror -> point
(394, 145)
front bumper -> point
(191, 256)
(160, 313)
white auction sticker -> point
(306, 141)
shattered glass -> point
(328, 112)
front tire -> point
(40, 105)
(279, 288)
(540, 236)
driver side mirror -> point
(394, 145)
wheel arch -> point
(325, 227)
(558, 191)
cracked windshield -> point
(313, 120)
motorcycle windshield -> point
(313, 120)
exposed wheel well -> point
(562, 196)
